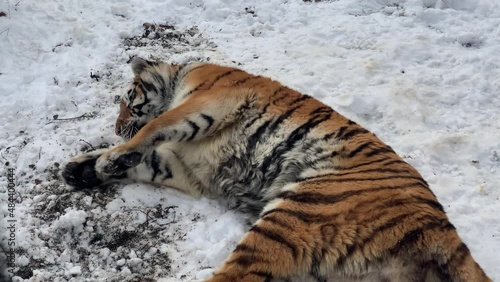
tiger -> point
(326, 199)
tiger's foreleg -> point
(161, 167)
(80, 171)
(197, 118)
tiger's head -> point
(150, 95)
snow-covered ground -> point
(424, 75)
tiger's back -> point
(329, 199)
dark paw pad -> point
(81, 175)
(130, 160)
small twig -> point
(6, 30)
(85, 115)
(1, 156)
(93, 149)
(167, 211)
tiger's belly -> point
(242, 172)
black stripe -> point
(300, 99)
(241, 81)
(353, 133)
(322, 110)
(325, 157)
(149, 86)
(243, 260)
(286, 145)
(209, 120)
(138, 107)
(360, 148)
(133, 94)
(213, 82)
(308, 217)
(195, 128)
(312, 142)
(177, 80)
(369, 238)
(219, 77)
(193, 69)
(155, 164)
(254, 138)
(244, 248)
(412, 236)
(394, 162)
(142, 87)
(368, 163)
(281, 88)
(273, 236)
(278, 222)
(281, 118)
(318, 198)
(279, 98)
(174, 81)
(315, 269)
(457, 258)
(160, 80)
(159, 137)
(462, 252)
(252, 121)
(324, 178)
(263, 274)
(328, 136)
(302, 216)
(184, 135)
(224, 275)
(195, 89)
(199, 86)
(381, 170)
(380, 151)
(341, 131)
(415, 200)
(168, 173)
(137, 113)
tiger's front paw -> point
(80, 172)
(117, 161)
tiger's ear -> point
(139, 65)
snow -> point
(424, 75)
(72, 219)
(76, 270)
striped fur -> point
(328, 201)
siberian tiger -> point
(328, 200)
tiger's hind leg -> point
(364, 235)
(276, 248)
(262, 255)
